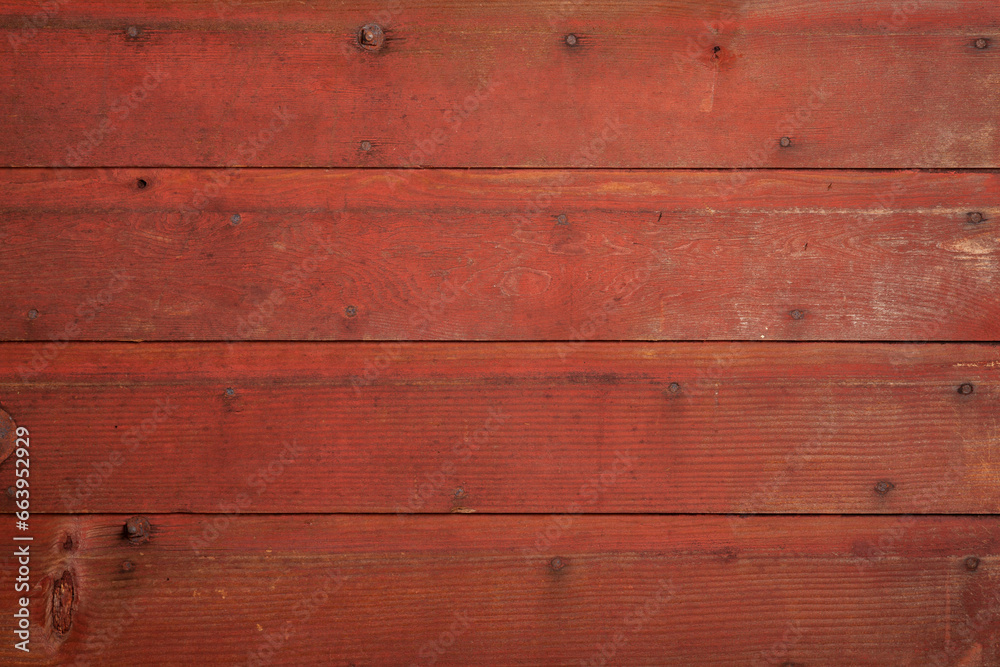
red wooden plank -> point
(646, 84)
(528, 255)
(517, 427)
(475, 590)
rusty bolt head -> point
(366, 146)
(32, 314)
(966, 389)
(128, 566)
(797, 314)
(557, 564)
(137, 529)
(883, 487)
(571, 40)
(981, 43)
(132, 32)
(975, 217)
(235, 219)
(371, 37)
(562, 219)
(674, 388)
(350, 311)
(786, 142)
(971, 563)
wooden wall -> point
(542, 332)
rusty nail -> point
(371, 37)
(128, 566)
(975, 217)
(674, 388)
(10, 491)
(459, 492)
(971, 563)
(351, 311)
(562, 219)
(966, 389)
(32, 314)
(557, 564)
(141, 183)
(230, 392)
(137, 529)
(235, 218)
(366, 146)
(786, 142)
(883, 487)
(571, 40)
(981, 43)
(132, 31)
(797, 314)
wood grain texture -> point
(453, 590)
(490, 255)
(516, 427)
(681, 83)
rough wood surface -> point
(516, 255)
(516, 427)
(460, 590)
(684, 83)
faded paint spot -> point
(525, 282)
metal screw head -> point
(459, 492)
(366, 146)
(557, 564)
(975, 217)
(797, 314)
(371, 37)
(230, 392)
(571, 40)
(883, 487)
(235, 219)
(966, 389)
(32, 314)
(674, 388)
(350, 311)
(981, 43)
(137, 529)
(132, 31)
(786, 142)
(971, 563)
(562, 219)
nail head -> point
(966, 389)
(132, 31)
(141, 183)
(674, 388)
(883, 487)
(982, 43)
(351, 311)
(32, 314)
(562, 219)
(128, 566)
(230, 392)
(557, 564)
(971, 563)
(797, 314)
(366, 146)
(786, 142)
(975, 217)
(235, 218)
(137, 529)
(571, 40)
